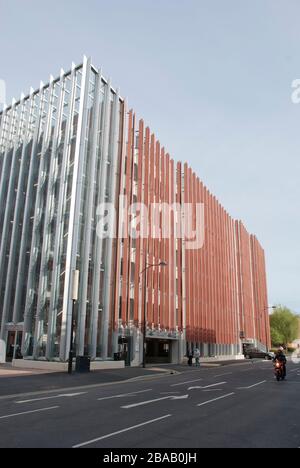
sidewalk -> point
(7, 370)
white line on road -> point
(29, 412)
(207, 386)
(52, 397)
(294, 370)
(252, 386)
(183, 383)
(124, 395)
(221, 375)
(214, 385)
(215, 399)
(121, 431)
(213, 390)
(145, 402)
(181, 397)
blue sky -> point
(213, 81)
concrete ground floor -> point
(162, 347)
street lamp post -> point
(144, 319)
(70, 361)
(144, 271)
(267, 308)
(75, 286)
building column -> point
(86, 250)
(74, 218)
(108, 282)
(58, 241)
(98, 247)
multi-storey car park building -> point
(66, 149)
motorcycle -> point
(279, 370)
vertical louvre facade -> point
(67, 149)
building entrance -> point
(158, 351)
(13, 345)
(125, 349)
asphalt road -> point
(234, 406)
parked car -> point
(252, 353)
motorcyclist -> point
(280, 356)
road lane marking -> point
(124, 395)
(213, 390)
(89, 442)
(69, 395)
(294, 370)
(141, 403)
(214, 385)
(181, 397)
(28, 412)
(216, 399)
(207, 386)
(221, 375)
(183, 383)
(252, 386)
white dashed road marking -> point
(28, 412)
(122, 395)
(121, 431)
(216, 399)
(252, 386)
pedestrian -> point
(197, 357)
(190, 358)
